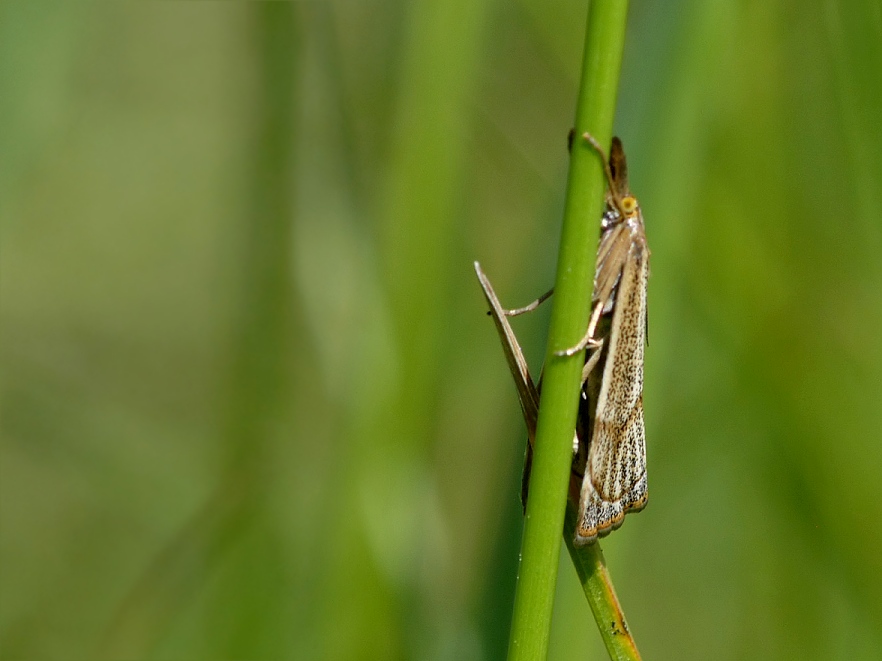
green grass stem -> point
(544, 519)
(600, 593)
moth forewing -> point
(614, 482)
(528, 394)
(612, 253)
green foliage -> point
(251, 405)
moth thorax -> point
(610, 218)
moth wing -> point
(528, 394)
(615, 473)
(612, 252)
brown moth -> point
(609, 443)
(614, 481)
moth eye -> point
(629, 205)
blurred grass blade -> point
(255, 389)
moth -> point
(608, 477)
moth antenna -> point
(613, 193)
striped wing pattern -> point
(615, 474)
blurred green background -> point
(252, 406)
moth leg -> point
(591, 363)
(530, 307)
(588, 340)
